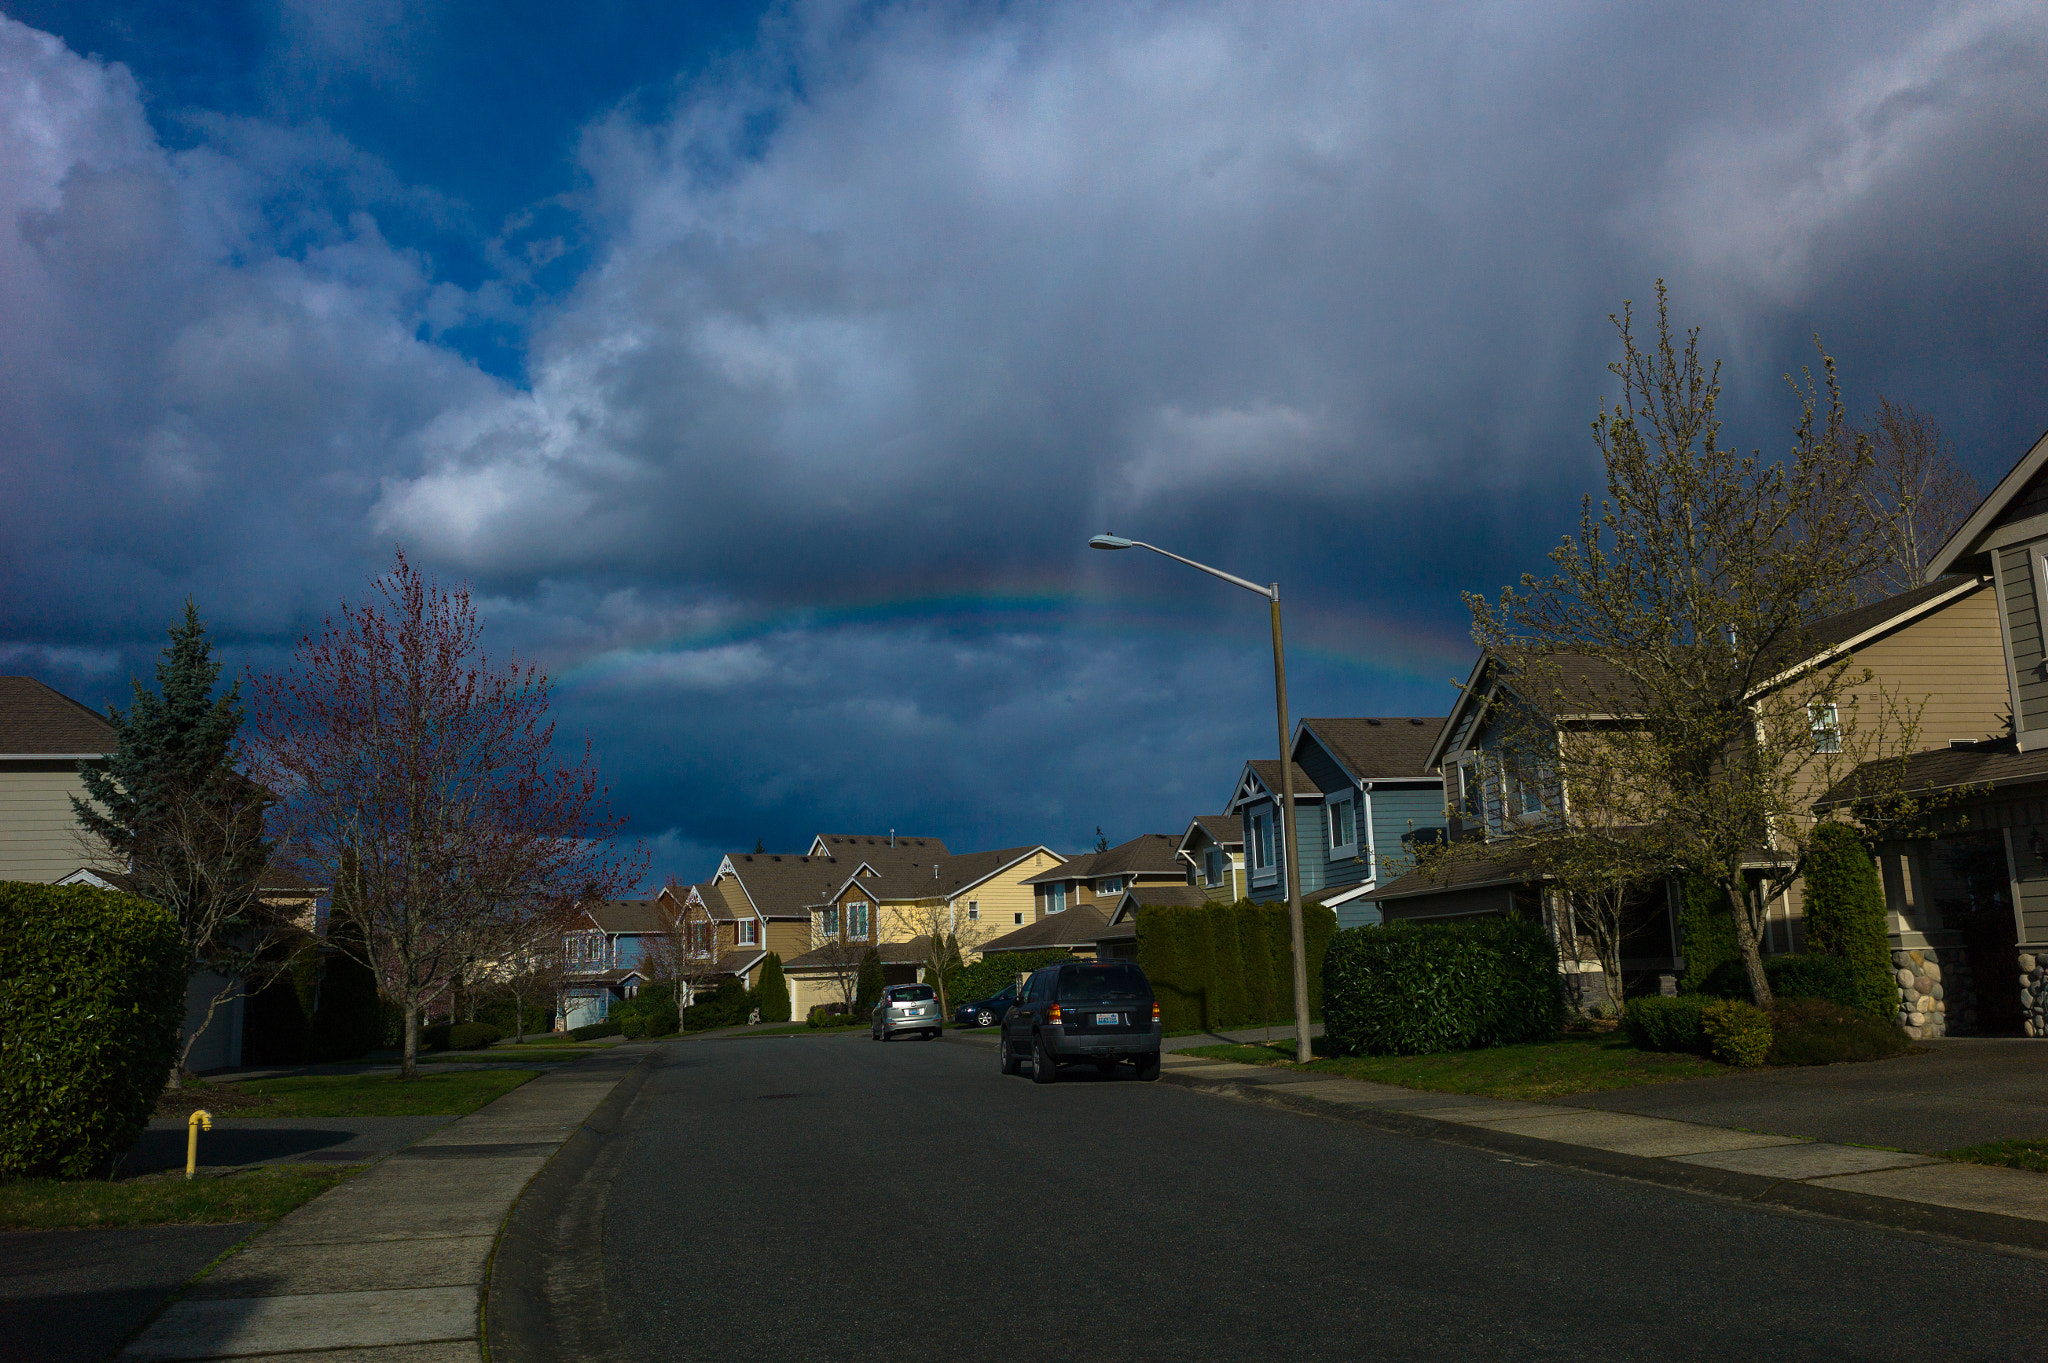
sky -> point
(764, 370)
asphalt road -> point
(828, 1198)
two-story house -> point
(1364, 794)
(44, 735)
(1930, 649)
(1213, 848)
(1969, 908)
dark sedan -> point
(986, 1012)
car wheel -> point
(1009, 1062)
(1148, 1066)
(985, 1018)
(1043, 1070)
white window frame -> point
(1349, 847)
(828, 921)
(1824, 723)
(1056, 897)
(1263, 859)
(859, 920)
(1114, 885)
(747, 933)
(1212, 866)
(974, 910)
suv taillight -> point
(1155, 1010)
(1052, 1016)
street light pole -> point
(1303, 1052)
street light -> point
(1302, 1052)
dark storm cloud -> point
(905, 303)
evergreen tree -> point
(177, 818)
(774, 990)
(867, 989)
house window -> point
(1826, 723)
(1471, 792)
(1262, 841)
(1056, 897)
(749, 933)
(1343, 827)
(1212, 866)
(1020, 919)
(857, 918)
(973, 910)
(1112, 886)
(828, 922)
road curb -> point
(543, 1297)
(1988, 1228)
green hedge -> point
(595, 1030)
(1660, 1024)
(473, 1036)
(1817, 1032)
(1420, 988)
(1845, 917)
(92, 997)
(1729, 1030)
(1229, 965)
(1791, 977)
(1706, 933)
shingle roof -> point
(1507, 864)
(1146, 854)
(1837, 629)
(36, 719)
(784, 886)
(868, 845)
(1226, 829)
(1078, 926)
(1268, 769)
(1376, 748)
(1159, 896)
(911, 952)
(627, 916)
(1991, 765)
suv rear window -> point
(1087, 983)
(912, 993)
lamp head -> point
(1110, 542)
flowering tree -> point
(394, 744)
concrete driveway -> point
(1960, 1092)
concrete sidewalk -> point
(389, 1265)
(1899, 1188)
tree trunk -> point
(409, 1068)
(518, 1016)
(1746, 941)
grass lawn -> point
(524, 1055)
(368, 1095)
(2032, 1155)
(1553, 1069)
(167, 1199)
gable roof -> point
(1373, 749)
(1225, 830)
(39, 721)
(778, 885)
(2021, 495)
(1148, 854)
(1156, 896)
(626, 916)
(868, 846)
(1263, 775)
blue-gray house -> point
(1364, 795)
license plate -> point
(1108, 1019)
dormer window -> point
(1826, 723)
(857, 918)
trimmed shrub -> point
(1817, 1032)
(92, 997)
(498, 1012)
(632, 1022)
(1706, 933)
(1318, 929)
(1259, 995)
(350, 1018)
(1845, 917)
(595, 1030)
(1736, 1033)
(1280, 947)
(1420, 988)
(774, 989)
(434, 1037)
(867, 985)
(1159, 958)
(473, 1036)
(728, 1006)
(1194, 952)
(1790, 977)
(1660, 1024)
(1228, 1003)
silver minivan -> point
(906, 1008)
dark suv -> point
(1080, 1012)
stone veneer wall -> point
(1937, 996)
(2034, 992)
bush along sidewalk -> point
(1421, 988)
(1794, 1031)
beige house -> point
(44, 735)
(1213, 848)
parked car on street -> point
(905, 1008)
(986, 1012)
(1083, 1012)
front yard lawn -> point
(1551, 1069)
(350, 1095)
(167, 1199)
(2031, 1155)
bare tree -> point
(1913, 491)
(683, 952)
(839, 954)
(394, 741)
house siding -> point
(2023, 633)
(1396, 813)
(40, 838)
(1331, 873)
(788, 938)
(1004, 897)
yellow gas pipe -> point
(200, 1117)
